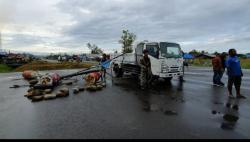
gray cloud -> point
(213, 25)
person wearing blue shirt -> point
(103, 60)
(234, 73)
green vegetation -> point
(245, 63)
(42, 65)
(5, 68)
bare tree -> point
(94, 49)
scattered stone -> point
(37, 92)
(76, 90)
(30, 95)
(37, 98)
(60, 94)
(91, 88)
(33, 82)
(214, 112)
(49, 96)
(81, 89)
(65, 91)
(99, 87)
(68, 83)
(30, 90)
(170, 112)
(48, 91)
(230, 118)
(104, 84)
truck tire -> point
(117, 71)
(168, 79)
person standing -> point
(145, 70)
(223, 63)
(234, 73)
(217, 68)
(103, 60)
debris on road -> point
(230, 118)
(170, 112)
(49, 96)
(76, 90)
(227, 125)
(37, 98)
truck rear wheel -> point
(117, 71)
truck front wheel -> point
(168, 79)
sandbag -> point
(48, 91)
(49, 96)
(33, 82)
(99, 87)
(37, 98)
(29, 75)
(63, 92)
(81, 89)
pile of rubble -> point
(39, 94)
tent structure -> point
(188, 56)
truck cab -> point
(166, 59)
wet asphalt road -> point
(123, 111)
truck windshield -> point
(170, 51)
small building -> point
(248, 55)
(205, 56)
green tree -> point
(127, 40)
(194, 52)
(94, 49)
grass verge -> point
(245, 63)
(5, 68)
(43, 65)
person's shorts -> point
(236, 80)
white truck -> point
(166, 60)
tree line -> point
(127, 40)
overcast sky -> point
(67, 25)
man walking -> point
(145, 70)
(217, 67)
(234, 74)
(223, 63)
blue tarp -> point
(188, 56)
(106, 64)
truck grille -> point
(174, 69)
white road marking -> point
(210, 83)
(195, 73)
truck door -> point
(139, 52)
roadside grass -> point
(43, 65)
(5, 68)
(245, 63)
